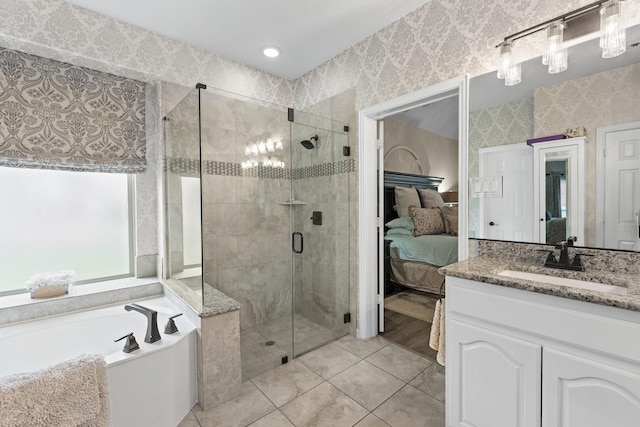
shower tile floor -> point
(341, 384)
(263, 346)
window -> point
(191, 234)
(58, 220)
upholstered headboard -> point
(399, 179)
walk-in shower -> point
(241, 195)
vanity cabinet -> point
(523, 359)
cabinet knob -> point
(492, 223)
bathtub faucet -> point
(152, 321)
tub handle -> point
(170, 327)
(130, 344)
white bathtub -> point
(152, 386)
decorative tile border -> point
(191, 167)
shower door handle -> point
(293, 242)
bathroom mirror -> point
(600, 95)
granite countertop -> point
(215, 302)
(486, 269)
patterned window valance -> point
(55, 115)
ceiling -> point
(308, 32)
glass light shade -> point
(555, 55)
(613, 38)
(558, 62)
(513, 75)
(506, 59)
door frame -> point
(601, 136)
(368, 221)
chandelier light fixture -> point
(555, 56)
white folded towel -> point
(440, 358)
(71, 394)
(437, 335)
(434, 336)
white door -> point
(497, 378)
(622, 190)
(509, 217)
(583, 393)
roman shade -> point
(55, 115)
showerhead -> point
(310, 143)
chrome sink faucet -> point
(153, 334)
(564, 261)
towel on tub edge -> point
(70, 394)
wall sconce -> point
(612, 38)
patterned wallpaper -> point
(440, 40)
(502, 125)
(602, 99)
(59, 30)
(57, 115)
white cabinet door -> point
(584, 393)
(496, 379)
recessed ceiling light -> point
(271, 52)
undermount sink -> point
(563, 281)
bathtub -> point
(152, 386)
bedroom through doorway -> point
(420, 183)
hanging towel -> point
(440, 358)
(71, 394)
(434, 336)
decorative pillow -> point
(448, 210)
(426, 221)
(452, 221)
(397, 231)
(405, 197)
(430, 198)
(403, 222)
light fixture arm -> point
(565, 18)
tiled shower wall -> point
(247, 253)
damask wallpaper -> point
(601, 99)
(56, 115)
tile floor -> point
(258, 358)
(344, 383)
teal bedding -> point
(436, 249)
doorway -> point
(370, 232)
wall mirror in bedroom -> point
(594, 196)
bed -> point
(414, 261)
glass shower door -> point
(320, 230)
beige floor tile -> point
(324, 406)
(329, 360)
(274, 419)
(189, 421)
(431, 381)
(250, 406)
(361, 348)
(371, 421)
(286, 382)
(411, 408)
(367, 384)
(399, 362)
